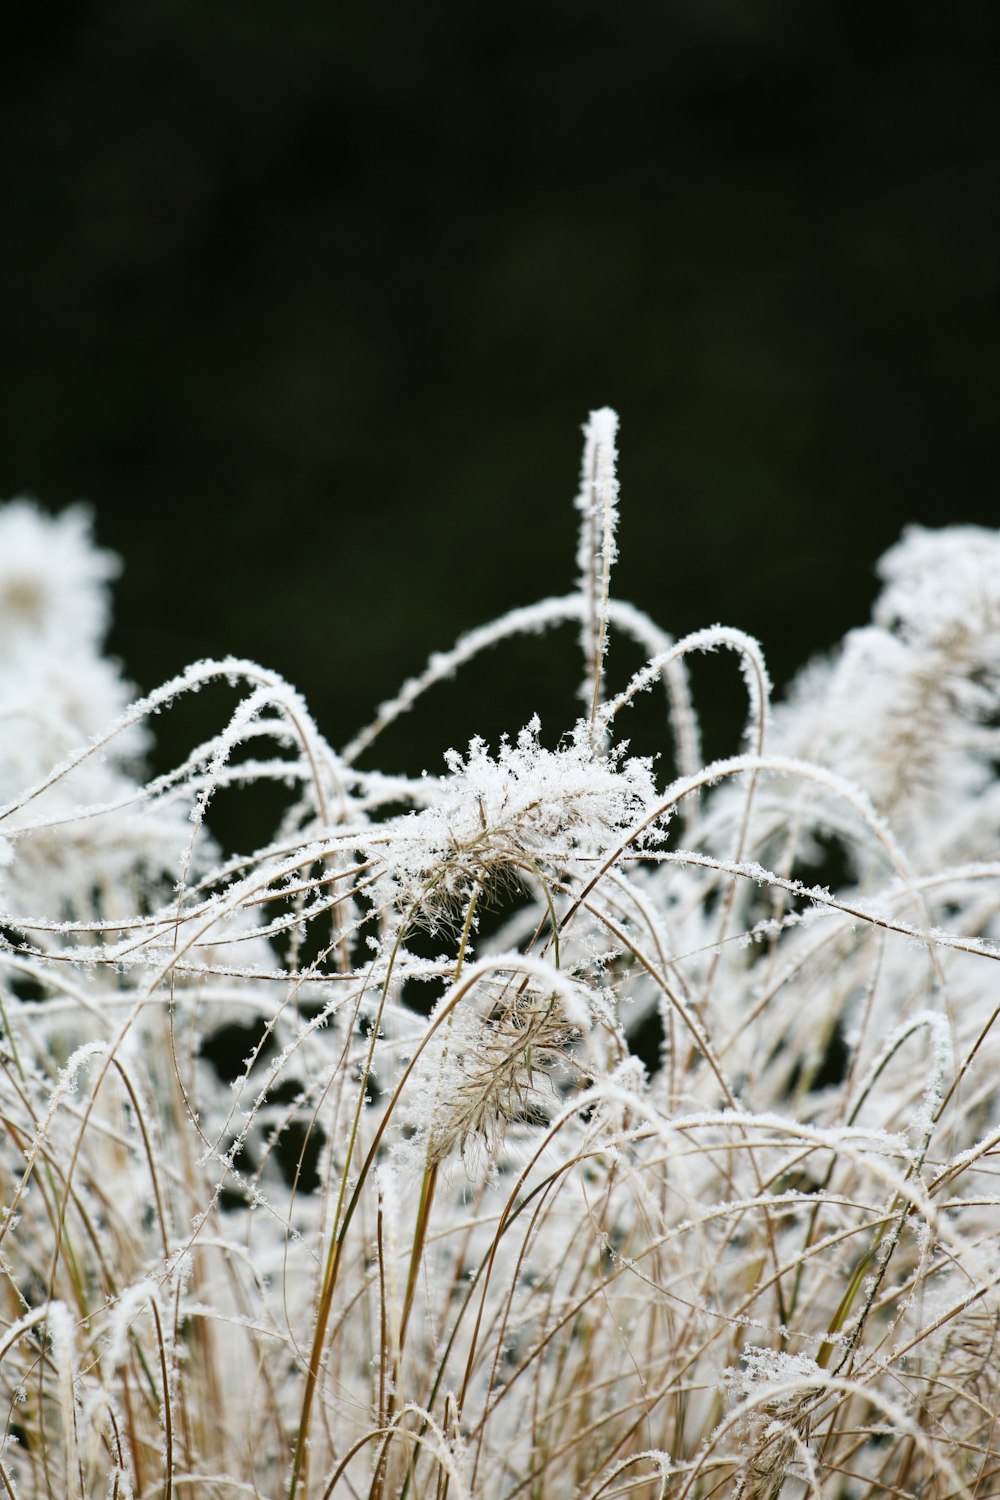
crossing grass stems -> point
(449, 1226)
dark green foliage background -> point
(310, 300)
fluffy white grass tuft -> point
(558, 1126)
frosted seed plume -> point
(597, 502)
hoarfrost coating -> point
(556, 1123)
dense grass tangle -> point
(562, 1125)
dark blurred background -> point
(309, 301)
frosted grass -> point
(563, 1124)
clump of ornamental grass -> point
(345, 1166)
